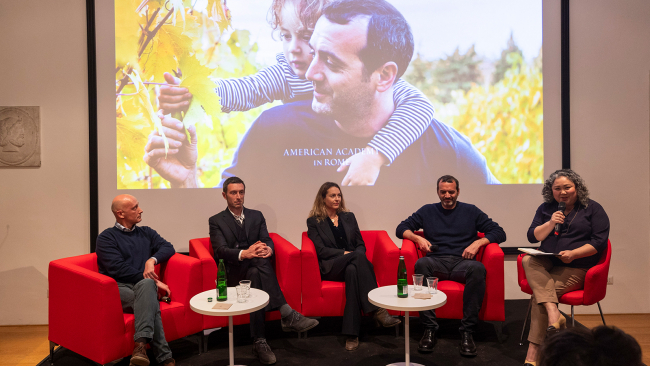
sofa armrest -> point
(311, 280)
(183, 276)
(200, 251)
(385, 260)
(287, 269)
(84, 307)
(411, 255)
(494, 282)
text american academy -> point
(325, 152)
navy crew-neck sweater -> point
(122, 255)
(452, 230)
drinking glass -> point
(417, 282)
(246, 284)
(241, 293)
(432, 282)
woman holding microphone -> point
(582, 237)
(342, 257)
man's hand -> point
(422, 243)
(263, 250)
(149, 269)
(173, 98)
(252, 251)
(347, 252)
(472, 249)
(163, 290)
(363, 168)
(566, 256)
(179, 164)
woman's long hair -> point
(581, 188)
(319, 211)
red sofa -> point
(85, 312)
(493, 308)
(327, 298)
(287, 269)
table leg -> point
(407, 349)
(231, 347)
(406, 338)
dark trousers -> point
(467, 271)
(262, 276)
(359, 275)
(141, 300)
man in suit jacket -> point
(239, 237)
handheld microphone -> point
(560, 207)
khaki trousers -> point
(548, 283)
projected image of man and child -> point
(347, 113)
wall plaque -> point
(20, 136)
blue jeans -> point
(141, 300)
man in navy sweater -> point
(450, 231)
(128, 254)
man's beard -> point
(348, 109)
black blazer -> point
(223, 234)
(325, 244)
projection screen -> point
(471, 98)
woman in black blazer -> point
(342, 257)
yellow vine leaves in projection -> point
(196, 79)
(505, 123)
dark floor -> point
(325, 346)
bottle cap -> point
(401, 257)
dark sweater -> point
(583, 225)
(452, 230)
(122, 255)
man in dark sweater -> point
(450, 231)
(128, 254)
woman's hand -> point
(567, 256)
(557, 218)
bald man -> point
(128, 253)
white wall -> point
(44, 211)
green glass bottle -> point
(402, 284)
(222, 287)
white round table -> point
(258, 300)
(386, 297)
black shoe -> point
(296, 322)
(263, 352)
(467, 346)
(428, 341)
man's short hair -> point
(389, 35)
(232, 180)
(447, 179)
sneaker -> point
(169, 362)
(296, 322)
(139, 357)
(263, 352)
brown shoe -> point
(352, 343)
(169, 362)
(139, 357)
(382, 318)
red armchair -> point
(85, 312)
(594, 290)
(327, 298)
(287, 269)
(493, 308)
